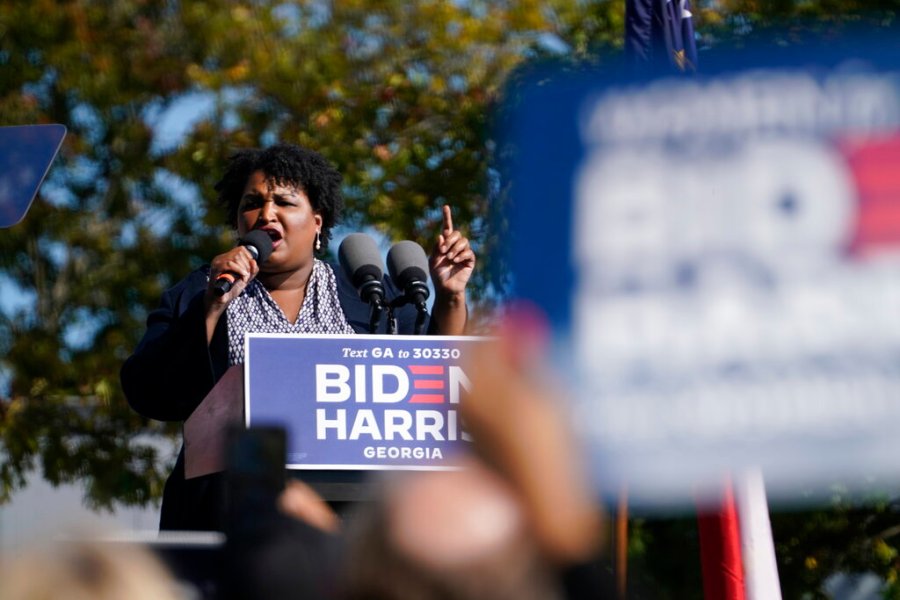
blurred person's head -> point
(448, 535)
(86, 570)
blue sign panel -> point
(360, 402)
(720, 259)
(26, 153)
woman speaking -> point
(292, 195)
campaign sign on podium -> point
(360, 402)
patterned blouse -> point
(255, 311)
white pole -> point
(757, 546)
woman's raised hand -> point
(452, 260)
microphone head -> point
(360, 259)
(259, 243)
(408, 266)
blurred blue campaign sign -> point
(719, 256)
(26, 153)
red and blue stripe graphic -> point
(429, 384)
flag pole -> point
(720, 548)
(621, 540)
(757, 545)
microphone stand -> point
(392, 320)
(417, 293)
(421, 313)
(377, 308)
(373, 291)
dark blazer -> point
(173, 369)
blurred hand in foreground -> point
(518, 420)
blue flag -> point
(659, 33)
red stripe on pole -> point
(720, 550)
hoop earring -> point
(318, 241)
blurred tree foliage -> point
(846, 533)
(398, 95)
(395, 94)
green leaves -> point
(395, 94)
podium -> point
(349, 405)
(206, 434)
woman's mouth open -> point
(275, 236)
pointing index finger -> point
(448, 220)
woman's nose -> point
(267, 211)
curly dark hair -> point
(285, 164)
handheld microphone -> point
(361, 261)
(260, 246)
(408, 267)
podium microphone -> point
(260, 246)
(361, 260)
(408, 267)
